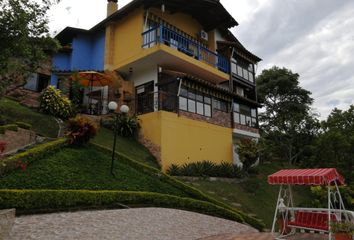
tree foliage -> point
(335, 146)
(24, 39)
(287, 122)
(248, 151)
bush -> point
(38, 152)
(205, 169)
(3, 120)
(319, 194)
(343, 227)
(24, 125)
(80, 130)
(191, 191)
(174, 170)
(11, 127)
(54, 103)
(248, 151)
(34, 200)
(126, 126)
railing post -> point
(198, 51)
(161, 33)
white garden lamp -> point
(124, 109)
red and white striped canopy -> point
(321, 176)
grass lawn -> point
(83, 168)
(129, 147)
(255, 195)
(44, 125)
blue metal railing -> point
(169, 37)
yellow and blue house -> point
(192, 83)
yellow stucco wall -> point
(150, 124)
(180, 20)
(183, 140)
(127, 37)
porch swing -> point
(309, 219)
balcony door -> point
(145, 98)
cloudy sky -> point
(314, 38)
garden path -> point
(141, 223)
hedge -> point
(31, 155)
(25, 201)
(23, 125)
(12, 127)
(191, 191)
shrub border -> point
(24, 125)
(11, 127)
(26, 201)
(40, 151)
(191, 191)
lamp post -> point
(124, 109)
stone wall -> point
(219, 118)
(26, 97)
(154, 149)
(17, 140)
(122, 92)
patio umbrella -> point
(92, 79)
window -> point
(220, 105)
(183, 103)
(240, 91)
(191, 105)
(200, 108)
(195, 102)
(243, 69)
(245, 115)
(150, 38)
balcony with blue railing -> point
(188, 46)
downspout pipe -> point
(231, 88)
(178, 94)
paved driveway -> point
(142, 223)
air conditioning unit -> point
(204, 35)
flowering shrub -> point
(21, 165)
(54, 103)
(80, 130)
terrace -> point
(185, 44)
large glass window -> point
(245, 115)
(243, 69)
(195, 102)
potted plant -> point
(342, 230)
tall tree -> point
(24, 39)
(335, 146)
(287, 122)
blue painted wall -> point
(82, 53)
(98, 44)
(62, 61)
(54, 80)
(87, 54)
